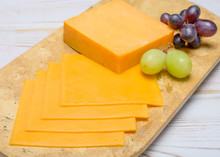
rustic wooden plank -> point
(2, 155)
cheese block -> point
(44, 139)
(115, 34)
(84, 82)
(52, 109)
(35, 123)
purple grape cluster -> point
(190, 27)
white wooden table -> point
(194, 132)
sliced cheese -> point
(35, 123)
(22, 138)
(52, 109)
(115, 34)
(84, 82)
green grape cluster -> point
(177, 63)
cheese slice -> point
(84, 82)
(115, 34)
(44, 139)
(52, 109)
(35, 123)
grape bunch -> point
(177, 63)
(190, 27)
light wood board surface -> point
(18, 72)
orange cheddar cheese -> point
(44, 139)
(115, 34)
(52, 109)
(34, 122)
(84, 82)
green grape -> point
(178, 64)
(152, 61)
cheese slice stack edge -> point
(35, 123)
(52, 108)
(44, 139)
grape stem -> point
(170, 45)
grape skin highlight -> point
(183, 13)
(178, 42)
(153, 61)
(176, 21)
(195, 43)
(188, 32)
(192, 13)
(205, 28)
(178, 64)
(164, 18)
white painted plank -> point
(194, 132)
(23, 23)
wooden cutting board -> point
(175, 92)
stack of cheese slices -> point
(80, 103)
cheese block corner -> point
(115, 34)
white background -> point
(194, 132)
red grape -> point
(183, 13)
(164, 18)
(175, 21)
(178, 42)
(195, 43)
(188, 32)
(205, 28)
(192, 13)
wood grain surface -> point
(174, 92)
